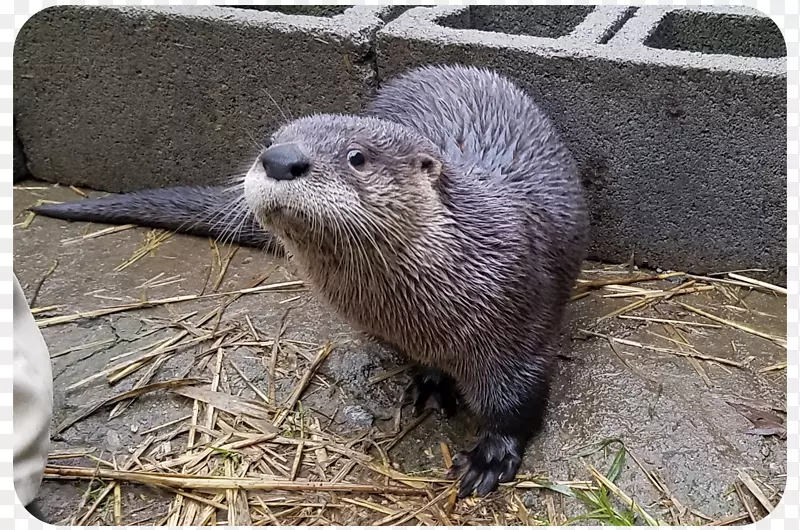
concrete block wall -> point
(677, 116)
(683, 152)
(125, 98)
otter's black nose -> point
(284, 162)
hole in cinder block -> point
(545, 21)
(311, 11)
(718, 33)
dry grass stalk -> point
(214, 482)
(153, 284)
(578, 296)
(273, 359)
(31, 215)
(122, 370)
(120, 407)
(211, 413)
(683, 345)
(613, 488)
(45, 309)
(35, 188)
(153, 240)
(628, 365)
(430, 503)
(297, 460)
(731, 519)
(238, 509)
(751, 485)
(640, 304)
(67, 455)
(83, 346)
(99, 233)
(301, 386)
(663, 350)
(413, 425)
(594, 284)
(759, 283)
(751, 311)
(777, 340)
(638, 292)
(659, 484)
(164, 301)
(165, 425)
(117, 505)
(370, 505)
(290, 300)
(213, 502)
(90, 409)
(247, 381)
(670, 321)
(744, 502)
(724, 281)
(79, 191)
(446, 455)
(168, 346)
(660, 293)
(774, 367)
(128, 465)
(224, 268)
(388, 374)
(408, 480)
(84, 500)
(700, 371)
(228, 403)
(40, 283)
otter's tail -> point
(214, 212)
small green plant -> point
(602, 509)
(226, 454)
(599, 500)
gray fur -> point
(214, 211)
(466, 265)
(471, 275)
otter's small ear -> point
(429, 165)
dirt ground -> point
(676, 395)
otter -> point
(448, 221)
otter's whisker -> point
(276, 104)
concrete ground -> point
(672, 412)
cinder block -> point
(122, 98)
(677, 117)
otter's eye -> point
(356, 159)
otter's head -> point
(329, 178)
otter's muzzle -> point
(284, 162)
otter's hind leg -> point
(432, 389)
(510, 417)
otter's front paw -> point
(493, 460)
(431, 389)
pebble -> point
(359, 417)
(113, 439)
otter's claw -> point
(431, 390)
(493, 460)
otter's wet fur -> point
(457, 242)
